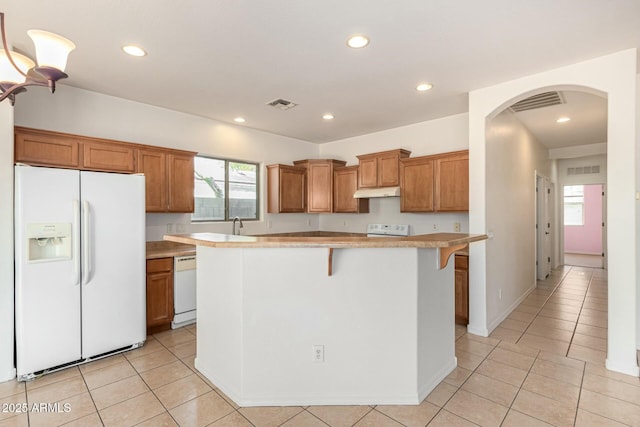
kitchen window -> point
(225, 189)
(574, 205)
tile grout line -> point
(578, 320)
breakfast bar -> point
(339, 320)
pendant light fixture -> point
(17, 71)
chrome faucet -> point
(234, 226)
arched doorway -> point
(615, 76)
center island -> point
(333, 320)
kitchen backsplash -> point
(384, 210)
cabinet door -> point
(320, 187)
(416, 185)
(159, 291)
(153, 165)
(180, 184)
(48, 150)
(100, 156)
(368, 173)
(452, 183)
(388, 172)
(291, 190)
(462, 296)
(345, 183)
(286, 189)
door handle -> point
(76, 242)
(86, 242)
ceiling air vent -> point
(540, 100)
(282, 104)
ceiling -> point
(226, 58)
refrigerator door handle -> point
(76, 242)
(86, 242)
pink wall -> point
(587, 238)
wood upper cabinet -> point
(153, 164)
(102, 156)
(345, 183)
(462, 289)
(438, 183)
(319, 182)
(286, 189)
(416, 184)
(452, 182)
(180, 184)
(380, 169)
(159, 292)
(46, 148)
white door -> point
(113, 276)
(47, 289)
(543, 227)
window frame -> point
(566, 202)
(227, 161)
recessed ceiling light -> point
(563, 119)
(422, 87)
(328, 116)
(357, 41)
(239, 120)
(134, 50)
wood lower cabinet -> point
(159, 294)
(345, 183)
(380, 169)
(46, 148)
(100, 156)
(452, 182)
(462, 289)
(286, 189)
(319, 183)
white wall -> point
(514, 156)
(82, 112)
(615, 77)
(7, 369)
(431, 137)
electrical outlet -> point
(309, 222)
(180, 228)
(500, 293)
(344, 223)
(435, 227)
(318, 353)
(269, 224)
(456, 227)
(169, 228)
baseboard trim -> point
(508, 311)
(623, 368)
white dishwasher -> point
(184, 291)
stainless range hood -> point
(366, 193)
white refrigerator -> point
(80, 266)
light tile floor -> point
(582, 260)
(544, 365)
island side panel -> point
(436, 321)
(365, 316)
(219, 316)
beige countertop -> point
(435, 240)
(165, 249)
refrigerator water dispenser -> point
(48, 242)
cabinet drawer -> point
(159, 265)
(462, 262)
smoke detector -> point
(282, 104)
